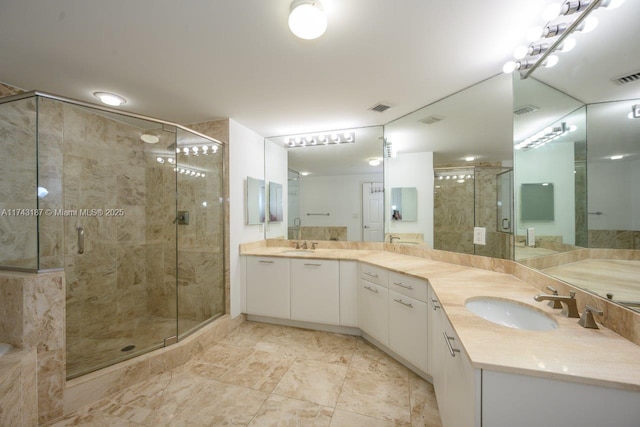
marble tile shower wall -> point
(201, 243)
(104, 168)
(459, 206)
(453, 216)
(18, 233)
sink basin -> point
(512, 314)
(297, 252)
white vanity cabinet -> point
(268, 289)
(408, 319)
(349, 293)
(373, 308)
(456, 382)
(315, 291)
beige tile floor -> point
(268, 375)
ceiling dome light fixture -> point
(110, 98)
(307, 19)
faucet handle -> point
(572, 294)
(587, 320)
(313, 245)
(554, 303)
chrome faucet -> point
(304, 245)
(570, 304)
(393, 237)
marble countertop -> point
(569, 353)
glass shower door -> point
(200, 231)
(120, 242)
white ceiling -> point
(199, 60)
(190, 61)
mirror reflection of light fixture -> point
(313, 140)
(149, 139)
(545, 136)
(374, 162)
(307, 19)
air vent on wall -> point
(380, 107)
(630, 78)
(525, 109)
(431, 120)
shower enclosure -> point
(130, 207)
(468, 197)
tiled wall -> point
(18, 228)
(460, 206)
(614, 239)
(32, 317)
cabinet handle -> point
(404, 303)
(371, 289)
(404, 286)
(435, 304)
(370, 274)
(314, 265)
(266, 262)
(448, 340)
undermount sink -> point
(511, 314)
(298, 252)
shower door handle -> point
(80, 240)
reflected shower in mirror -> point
(330, 181)
(456, 153)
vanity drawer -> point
(409, 286)
(375, 274)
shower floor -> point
(87, 354)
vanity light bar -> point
(544, 136)
(319, 139)
(186, 171)
(539, 52)
(196, 150)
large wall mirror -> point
(457, 155)
(333, 184)
(593, 240)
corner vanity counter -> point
(484, 373)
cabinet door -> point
(462, 384)
(374, 310)
(438, 351)
(349, 293)
(315, 291)
(268, 287)
(408, 328)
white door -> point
(372, 212)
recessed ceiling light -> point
(110, 98)
(304, 173)
(149, 139)
(617, 157)
(469, 159)
(374, 162)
